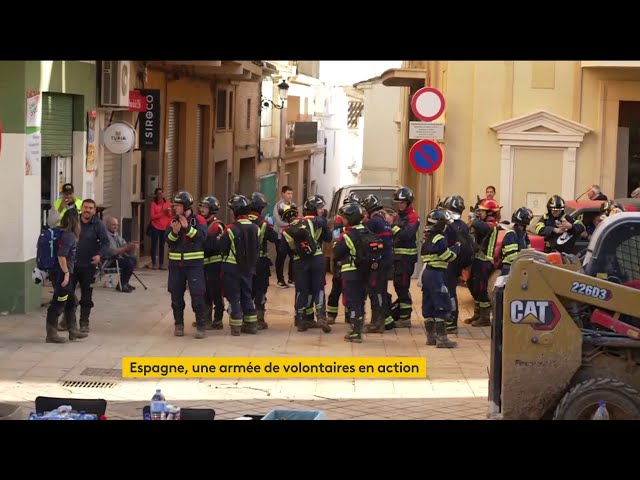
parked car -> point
(384, 194)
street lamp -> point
(283, 87)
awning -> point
(404, 77)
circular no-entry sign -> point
(427, 104)
(425, 156)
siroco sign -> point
(119, 137)
(149, 120)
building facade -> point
(531, 128)
(44, 110)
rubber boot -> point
(485, 318)
(331, 318)
(217, 320)
(301, 321)
(322, 319)
(178, 321)
(262, 325)
(52, 331)
(84, 319)
(62, 326)
(249, 327)
(208, 320)
(310, 319)
(355, 335)
(72, 326)
(442, 341)
(452, 323)
(377, 321)
(235, 330)
(476, 315)
(201, 332)
(430, 326)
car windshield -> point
(385, 196)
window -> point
(248, 114)
(221, 110)
(230, 110)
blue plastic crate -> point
(278, 414)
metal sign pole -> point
(422, 215)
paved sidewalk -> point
(141, 324)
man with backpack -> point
(436, 299)
(209, 207)
(457, 232)
(93, 246)
(348, 249)
(186, 237)
(377, 284)
(304, 238)
(266, 233)
(336, 280)
(240, 248)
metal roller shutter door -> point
(199, 142)
(57, 125)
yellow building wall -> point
(537, 175)
(543, 85)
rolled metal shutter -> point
(172, 147)
(111, 178)
(57, 125)
(199, 143)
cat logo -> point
(540, 314)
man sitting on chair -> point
(121, 248)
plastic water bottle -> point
(110, 282)
(158, 404)
(601, 413)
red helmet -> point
(489, 204)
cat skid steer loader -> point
(566, 334)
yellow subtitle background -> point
(274, 367)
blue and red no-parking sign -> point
(425, 156)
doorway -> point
(247, 176)
(221, 188)
(628, 153)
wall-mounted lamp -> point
(283, 88)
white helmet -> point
(39, 276)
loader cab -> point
(614, 250)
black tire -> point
(581, 401)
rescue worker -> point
(66, 201)
(560, 230)
(186, 237)
(436, 299)
(61, 276)
(266, 233)
(209, 207)
(485, 231)
(516, 238)
(93, 247)
(456, 231)
(404, 227)
(377, 285)
(354, 284)
(309, 270)
(336, 280)
(240, 247)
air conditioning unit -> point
(114, 85)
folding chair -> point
(115, 269)
(97, 406)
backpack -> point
(467, 248)
(47, 248)
(300, 231)
(368, 250)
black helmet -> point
(258, 201)
(442, 203)
(239, 205)
(288, 212)
(211, 202)
(313, 203)
(403, 194)
(437, 220)
(352, 213)
(371, 203)
(522, 216)
(555, 201)
(353, 197)
(455, 204)
(608, 205)
(183, 198)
